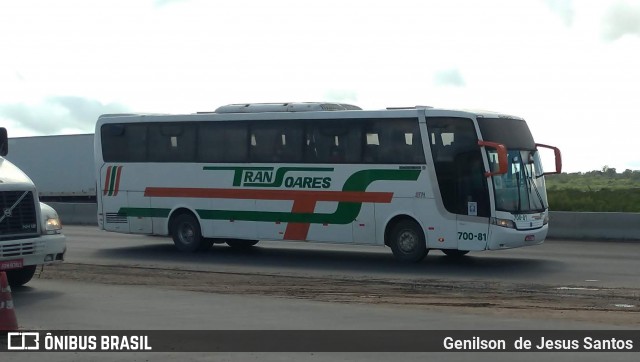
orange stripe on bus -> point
(298, 230)
(117, 187)
(257, 194)
(106, 181)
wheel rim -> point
(186, 233)
(407, 241)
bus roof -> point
(240, 111)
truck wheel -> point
(20, 277)
(407, 241)
(455, 253)
(241, 244)
(186, 233)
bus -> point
(414, 179)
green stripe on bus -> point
(345, 213)
(112, 180)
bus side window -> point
(224, 142)
(393, 141)
(372, 147)
(124, 142)
(172, 142)
(276, 141)
(336, 151)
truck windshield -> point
(522, 189)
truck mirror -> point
(4, 142)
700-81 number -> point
(471, 236)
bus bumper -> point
(506, 238)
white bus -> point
(414, 179)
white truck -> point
(30, 231)
(50, 171)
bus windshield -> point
(522, 189)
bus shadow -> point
(278, 259)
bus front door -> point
(473, 208)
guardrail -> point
(594, 225)
(72, 213)
(562, 224)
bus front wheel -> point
(186, 233)
(407, 241)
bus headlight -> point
(545, 221)
(503, 222)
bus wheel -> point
(241, 244)
(455, 253)
(186, 233)
(407, 241)
(20, 277)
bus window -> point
(394, 141)
(124, 142)
(276, 142)
(224, 142)
(172, 142)
(458, 164)
(334, 142)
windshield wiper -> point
(530, 183)
(519, 197)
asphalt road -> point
(590, 264)
(102, 286)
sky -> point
(571, 68)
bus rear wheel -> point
(455, 253)
(186, 233)
(241, 244)
(407, 241)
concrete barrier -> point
(594, 225)
(562, 224)
(76, 213)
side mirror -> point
(4, 142)
(502, 157)
(556, 152)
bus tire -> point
(407, 241)
(455, 253)
(186, 233)
(20, 277)
(241, 244)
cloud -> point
(563, 8)
(621, 19)
(161, 3)
(449, 77)
(57, 115)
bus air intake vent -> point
(286, 107)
